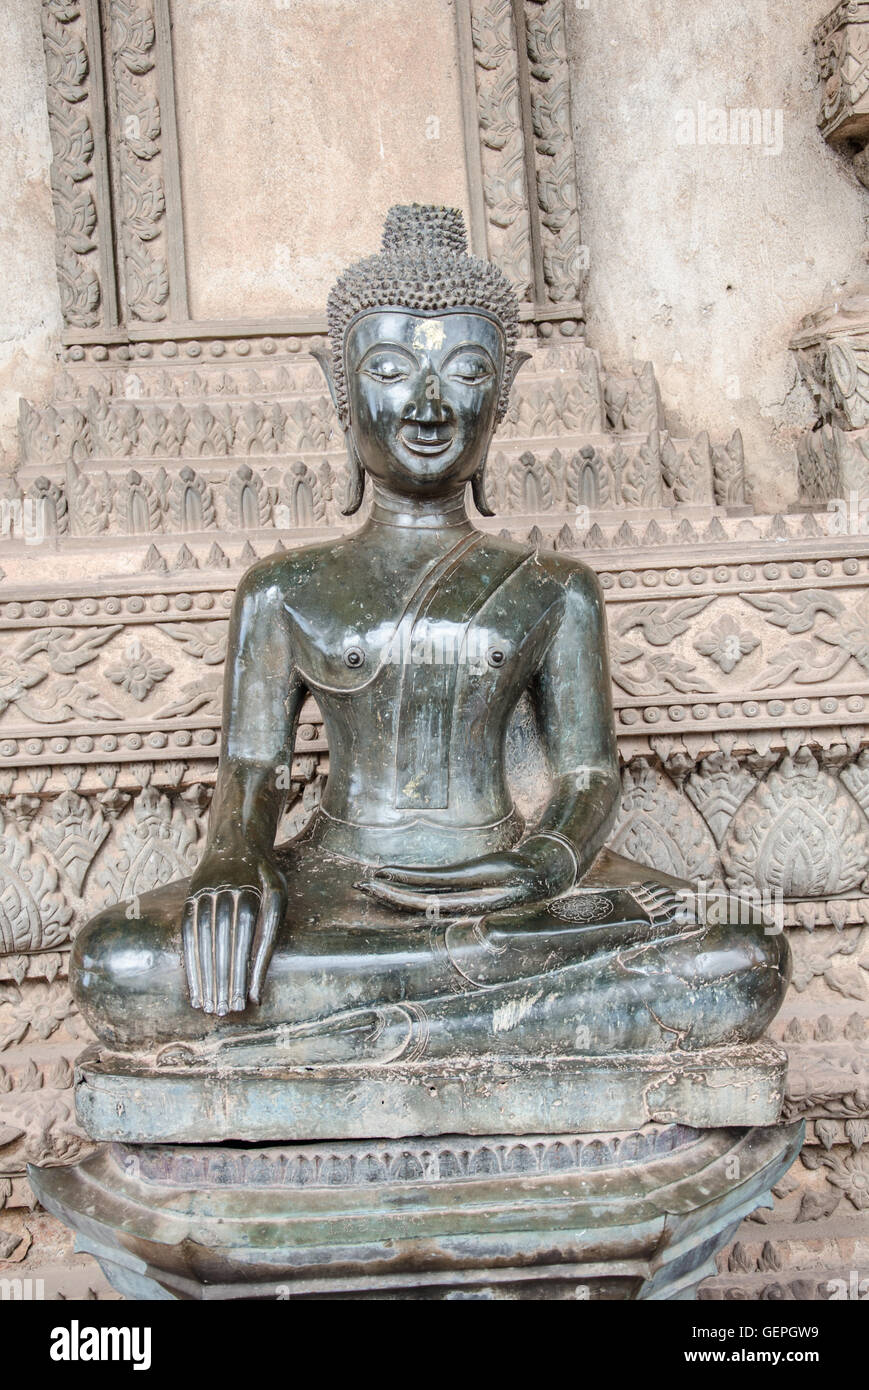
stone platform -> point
(120, 1099)
(616, 1216)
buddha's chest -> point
(476, 620)
(421, 685)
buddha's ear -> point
(355, 478)
(519, 360)
(355, 471)
(324, 357)
(478, 489)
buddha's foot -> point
(375, 1036)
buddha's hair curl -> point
(423, 264)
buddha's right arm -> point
(237, 895)
(261, 702)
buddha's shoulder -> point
(571, 574)
(284, 571)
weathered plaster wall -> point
(670, 227)
(299, 125)
(704, 258)
(29, 300)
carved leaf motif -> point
(66, 699)
(147, 282)
(64, 11)
(79, 290)
(802, 662)
(144, 205)
(817, 1206)
(15, 678)
(688, 473)
(74, 145)
(799, 833)
(499, 112)
(492, 33)
(656, 826)
(728, 468)
(69, 648)
(641, 484)
(848, 981)
(718, 788)
(204, 640)
(73, 834)
(796, 612)
(67, 63)
(202, 697)
(90, 507)
(133, 36)
(75, 214)
(140, 124)
(656, 674)
(157, 844)
(661, 622)
(33, 914)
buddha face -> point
(423, 391)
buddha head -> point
(423, 356)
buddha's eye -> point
(471, 369)
(386, 367)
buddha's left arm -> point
(573, 697)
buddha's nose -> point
(427, 406)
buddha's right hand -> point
(235, 906)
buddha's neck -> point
(396, 509)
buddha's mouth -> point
(427, 439)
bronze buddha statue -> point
(416, 916)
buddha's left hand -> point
(536, 871)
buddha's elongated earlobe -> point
(478, 489)
(323, 357)
(355, 471)
(355, 477)
(478, 482)
(519, 360)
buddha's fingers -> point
(205, 945)
(489, 871)
(245, 922)
(191, 953)
(270, 916)
(460, 904)
(225, 911)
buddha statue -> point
(416, 915)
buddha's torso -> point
(417, 651)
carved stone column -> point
(515, 67)
(842, 44)
(80, 181)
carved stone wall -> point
(740, 679)
(519, 75)
(172, 453)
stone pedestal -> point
(200, 1102)
(638, 1215)
(580, 1178)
